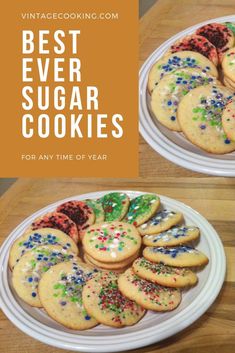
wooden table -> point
(163, 20)
(212, 197)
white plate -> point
(172, 145)
(152, 328)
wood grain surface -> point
(214, 198)
(165, 19)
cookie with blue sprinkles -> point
(183, 59)
(43, 236)
(200, 117)
(182, 256)
(172, 237)
(171, 89)
(60, 291)
(30, 268)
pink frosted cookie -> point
(198, 44)
(219, 35)
(59, 221)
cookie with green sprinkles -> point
(115, 205)
(97, 208)
(171, 89)
(200, 117)
(32, 265)
(172, 237)
(111, 242)
(161, 221)
(230, 25)
(183, 59)
(103, 300)
(142, 208)
(147, 294)
(44, 236)
(176, 277)
(60, 291)
(228, 64)
(181, 256)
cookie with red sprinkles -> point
(142, 208)
(104, 301)
(147, 294)
(198, 44)
(219, 35)
(168, 276)
(111, 241)
(59, 221)
(79, 212)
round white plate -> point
(173, 145)
(152, 328)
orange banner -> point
(70, 78)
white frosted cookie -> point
(147, 294)
(60, 292)
(200, 117)
(161, 221)
(182, 256)
(142, 208)
(172, 237)
(171, 89)
(168, 276)
(31, 266)
(228, 64)
(115, 205)
(44, 236)
(111, 265)
(183, 59)
(228, 120)
(111, 241)
(103, 300)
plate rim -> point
(157, 140)
(71, 341)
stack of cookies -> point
(186, 95)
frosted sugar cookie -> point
(111, 265)
(171, 89)
(60, 292)
(59, 221)
(168, 276)
(200, 117)
(79, 212)
(97, 208)
(228, 120)
(228, 65)
(44, 236)
(162, 220)
(172, 237)
(149, 295)
(182, 59)
(103, 300)
(142, 208)
(219, 35)
(115, 205)
(111, 241)
(182, 256)
(198, 44)
(28, 271)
